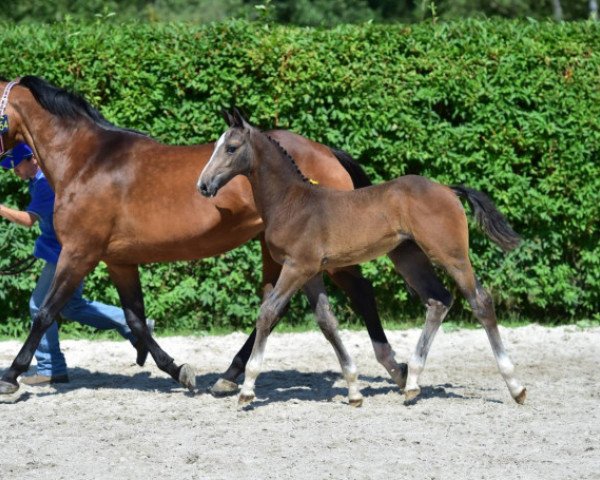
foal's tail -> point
(356, 172)
(489, 218)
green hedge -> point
(511, 108)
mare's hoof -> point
(224, 388)
(7, 388)
(142, 355)
(399, 375)
(355, 402)
(187, 377)
(245, 398)
(520, 398)
(411, 395)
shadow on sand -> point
(272, 386)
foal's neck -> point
(278, 185)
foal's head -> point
(232, 156)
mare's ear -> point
(228, 117)
(239, 118)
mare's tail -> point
(489, 218)
(356, 172)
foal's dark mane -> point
(286, 154)
(65, 104)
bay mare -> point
(309, 229)
(126, 199)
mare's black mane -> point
(65, 104)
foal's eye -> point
(230, 149)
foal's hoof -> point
(411, 395)
(224, 388)
(245, 398)
(7, 388)
(187, 377)
(399, 375)
(355, 402)
(520, 398)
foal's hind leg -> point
(315, 291)
(127, 280)
(361, 294)
(410, 261)
(483, 308)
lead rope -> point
(3, 117)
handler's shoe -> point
(41, 380)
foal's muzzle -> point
(208, 189)
(203, 189)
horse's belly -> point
(182, 244)
(363, 253)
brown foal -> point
(126, 199)
(309, 229)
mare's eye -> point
(230, 149)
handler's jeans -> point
(50, 360)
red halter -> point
(3, 116)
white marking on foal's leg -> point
(328, 324)
(484, 310)
(436, 311)
(505, 366)
(350, 373)
(386, 356)
(253, 368)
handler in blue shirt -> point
(51, 365)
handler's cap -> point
(16, 155)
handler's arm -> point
(26, 219)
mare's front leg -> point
(273, 306)
(127, 280)
(72, 267)
(317, 296)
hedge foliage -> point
(508, 107)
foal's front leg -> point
(317, 296)
(273, 306)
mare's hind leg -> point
(410, 261)
(362, 296)
(127, 280)
(315, 291)
(271, 310)
(70, 271)
(483, 308)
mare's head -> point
(233, 155)
(9, 120)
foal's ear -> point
(239, 119)
(227, 117)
